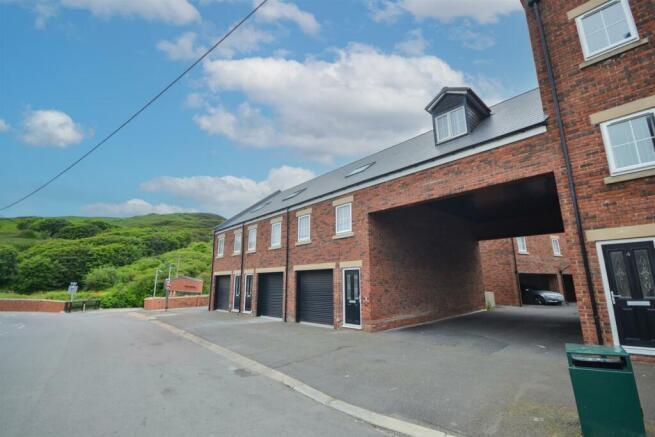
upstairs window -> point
(220, 246)
(237, 242)
(304, 232)
(557, 250)
(344, 220)
(630, 142)
(451, 124)
(522, 244)
(252, 239)
(276, 235)
(606, 27)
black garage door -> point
(269, 295)
(315, 298)
(222, 293)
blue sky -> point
(306, 86)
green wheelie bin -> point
(605, 391)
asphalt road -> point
(109, 374)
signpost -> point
(72, 289)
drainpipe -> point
(211, 278)
(243, 254)
(516, 272)
(569, 168)
(286, 269)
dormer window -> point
(451, 124)
(456, 112)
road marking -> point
(376, 419)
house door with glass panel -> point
(351, 298)
(631, 277)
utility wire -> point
(137, 113)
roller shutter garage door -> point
(222, 296)
(269, 295)
(315, 297)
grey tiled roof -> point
(511, 116)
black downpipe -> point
(242, 275)
(212, 278)
(516, 272)
(569, 168)
(286, 269)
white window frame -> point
(448, 115)
(220, 246)
(608, 145)
(309, 228)
(236, 248)
(554, 243)
(336, 219)
(252, 240)
(279, 243)
(629, 19)
(522, 250)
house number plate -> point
(638, 303)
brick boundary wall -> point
(36, 305)
(157, 303)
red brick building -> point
(538, 262)
(393, 239)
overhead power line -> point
(138, 112)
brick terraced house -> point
(393, 239)
(538, 262)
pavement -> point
(491, 373)
(111, 374)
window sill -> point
(275, 248)
(303, 243)
(219, 256)
(614, 52)
(251, 251)
(629, 176)
(343, 235)
(236, 254)
(523, 253)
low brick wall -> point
(157, 303)
(39, 305)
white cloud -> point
(183, 48)
(487, 11)
(358, 102)
(132, 207)
(228, 195)
(471, 38)
(414, 45)
(276, 10)
(170, 11)
(49, 127)
(4, 126)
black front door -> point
(236, 300)
(247, 306)
(631, 276)
(351, 296)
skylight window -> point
(259, 207)
(294, 194)
(451, 125)
(360, 169)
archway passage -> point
(425, 258)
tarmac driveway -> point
(491, 373)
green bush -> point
(77, 231)
(101, 278)
(121, 298)
(8, 264)
(39, 273)
(49, 225)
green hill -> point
(117, 256)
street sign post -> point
(72, 289)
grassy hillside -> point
(117, 256)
